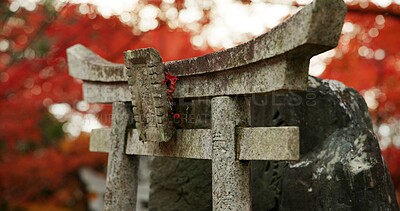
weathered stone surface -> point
(97, 92)
(143, 191)
(268, 143)
(86, 65)
(121, 187)
(341, 167)
(260, 143)
(189, 143)
(195, 143)
(151, 108)
(278, 73)
(100, 140)
(261, 77)
(230, 177)
(185, 184)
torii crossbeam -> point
(275, 61)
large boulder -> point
(341, 167)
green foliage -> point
(52, 130)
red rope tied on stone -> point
(171, 80)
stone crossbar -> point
(255, 143)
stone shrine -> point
(236, 145)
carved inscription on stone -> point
(151, 108)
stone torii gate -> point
(141, 120)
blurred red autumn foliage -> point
(39, 162)
(48, 176)
(368, 56)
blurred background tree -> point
(44, 123)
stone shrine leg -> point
(121, 187)
(230, 177)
